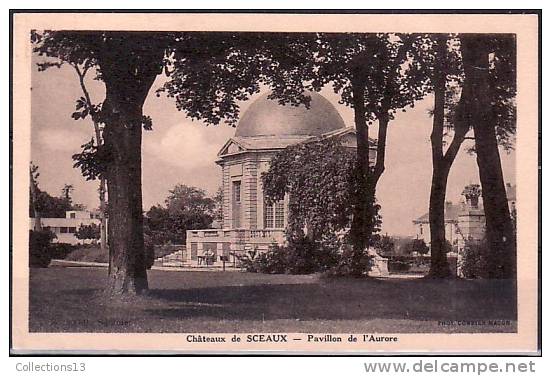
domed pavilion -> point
(249, 222)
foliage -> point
(59, 251)
(398, 265)
(46, 205)
(39, 242)
(321, 181)
(49, 206)
(85, 52)
(477, 260)
(385, 245)
(219, 205)
(401, 245)
(349, 263)
(67, 192)
(88, 253)
(186, 208)
(159, 227)
(210, 73)
(417, 245)
(392, 82)
(503, 88)
(474, 261)
(303, 256)
(319, 178)
(409, 264)
(91, 231)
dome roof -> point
(266, 117)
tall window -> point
(236, 204)
(268, 215)
(274, 215)
(279, 215)
(237, 191)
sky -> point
(179, 150)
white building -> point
(65, 228)
(464, 221)
(249, 223)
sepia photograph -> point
(275, 182)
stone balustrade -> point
(271, 235)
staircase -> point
(174, 259)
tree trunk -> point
(439, 267)
(34, 199)
(501, 260)
(129, 65)
(101, 190)
(499, 229)
(377, 171)
(127, 254)
(363, 222)
(359, 232)
(103, 209)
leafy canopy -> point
(186, 208)
(91, 231)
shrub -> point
(272, 262)
(60, 250)
(302, 256)
(346, 263)
(248, 260)
(473, 262)
(417, 245)
(89, 253)
(385, 246)
(88, 232)
(39, 242)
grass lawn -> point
(69, 300)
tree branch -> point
(461, 127)
(81, 78)
(381, 147)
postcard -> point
(275, 183)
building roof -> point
(239, 145)
(451, 214)
(266, 117)
(269, 142)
